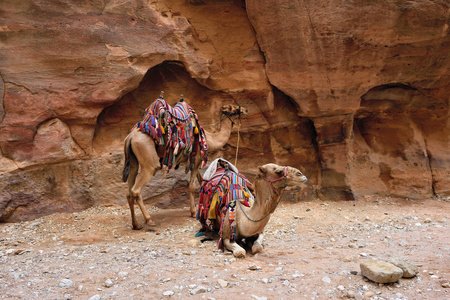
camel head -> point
(231, 110)
(280, 176)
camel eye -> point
(299, 174)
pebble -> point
(341, 287)
(95, 297)
(168, 293)
(326, 279)
(445, 284)
(222, 283)
(123, 274)
(66, 283)
(368, 294)
(198, 290)
(259, 298)
(348, 259)
(108, 283)
(254, 267)
(351, 294)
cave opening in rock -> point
(116, 121)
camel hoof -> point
(239, 253)
(137, 227)
(192, 214)
(256, 248)
(151, 223)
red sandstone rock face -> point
(355, 94)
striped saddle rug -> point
(218, 197)
(177, 129)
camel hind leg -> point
(143, 161)
(129, 175)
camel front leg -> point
(258, 244)
(237, 250)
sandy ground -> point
(312, 251)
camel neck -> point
(216, 140)
(266, 196)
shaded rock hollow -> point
(359, 105)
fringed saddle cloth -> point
(218, 196)
(177, 129)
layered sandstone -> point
(359, 105)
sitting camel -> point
(143, 155)
(251, 219)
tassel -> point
(153, 122)
(158, 131)
(162, 129)
(196, 130)
(247, 195)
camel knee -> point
(257, 247)
(237, 250)
(258, 244)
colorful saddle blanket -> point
(218, 196)
(177, 129)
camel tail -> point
(128, 153)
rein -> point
(270, 181)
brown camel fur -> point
(250, 221)
(142, 158)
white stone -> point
(66, 283)
(108, 283)
(222, 283)
(198, 290)
(168, 293)
(259, 298)
(326, 279)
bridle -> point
(229, 115)
(270, 181)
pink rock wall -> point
(355, 94)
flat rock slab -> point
(380, 271)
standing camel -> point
(251, 220)
(143, 155)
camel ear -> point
(262, 170)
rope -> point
(259, 220)
(237, 144)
